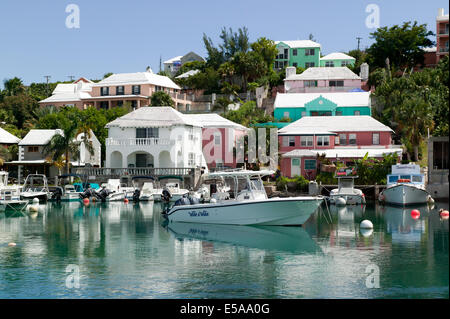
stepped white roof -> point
(153, 116)
(214, 120)
(8, 138)
(345, 152)
(332, 124)
(177, 58)
(337, 56)
(38, 137)
(70, 92)
(187, 74)
(342, 99)
(137, 78)
(300, 44)
(325, 73)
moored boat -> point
(346, 193)
(405, 186)
(249, 205)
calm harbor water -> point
(126, 251)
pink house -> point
(321, 80)
(219, 137)
(343, 138)
(119, 89)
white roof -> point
(70, 92)
(214, 120)
(177, 58)
(325, 73)
(187, 74)
(321, 124)
(152, 116)
(38, 137)
(431, 49)
(337, 56)
(137, 78)
(300, 44)
(342, 99)
(8, 138)
(344, 152)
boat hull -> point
(350, 199)
(273, 211)
(405, 194)
(43, 197)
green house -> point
(300, 53)
(297, 105)
(337, 59)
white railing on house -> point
(138, 141)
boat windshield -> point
(346, 183)
(417, 178)
(405, 176)
(256, 185)
(392, 179)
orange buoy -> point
(125, 200)
(415, 213)
(443, 213)
(86, 200)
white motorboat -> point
(144, 188)
(112, 191)
(346, 193)
(249, 205)
(35, 186)
(67, 192)
(10, 195)
(172, 186)
(405, 186)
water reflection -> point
(291, 239)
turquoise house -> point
(300, 53)
(337, 59)
(297, 105)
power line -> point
(47, 77)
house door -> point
(141, 160)
(295, 167)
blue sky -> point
(128, 36)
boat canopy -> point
(170, 177)
(143, 177)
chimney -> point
(290, 70)
(364, 72)
(440, 12)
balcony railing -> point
(443, 32)
(138, 141)
(443, 50)
(94, 172)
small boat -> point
(249, 206)
(67, 192)
(10, 195)
(171, 191)
(35, 186)
(405, 186)
(111, 191)
(346, 193)
(144, 188)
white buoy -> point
(340, 201)
(213, 200)
(33, 208)
(366, 232)
(35, 200)
(12, 244)
(366, 224)
(430, 200)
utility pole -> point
(47, 77)
(159, 63)
(71, 78)
(359, 39)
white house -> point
(7, 138)
(159, 137)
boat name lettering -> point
(198, 213)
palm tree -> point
(13, 86)
(64, 143)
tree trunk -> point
(416, 153)
(67, 162)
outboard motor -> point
(57, 194)
(194, 200)
(136, 195)
(183, 201)
(166, 196)
(103, 194)
(86, 194)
